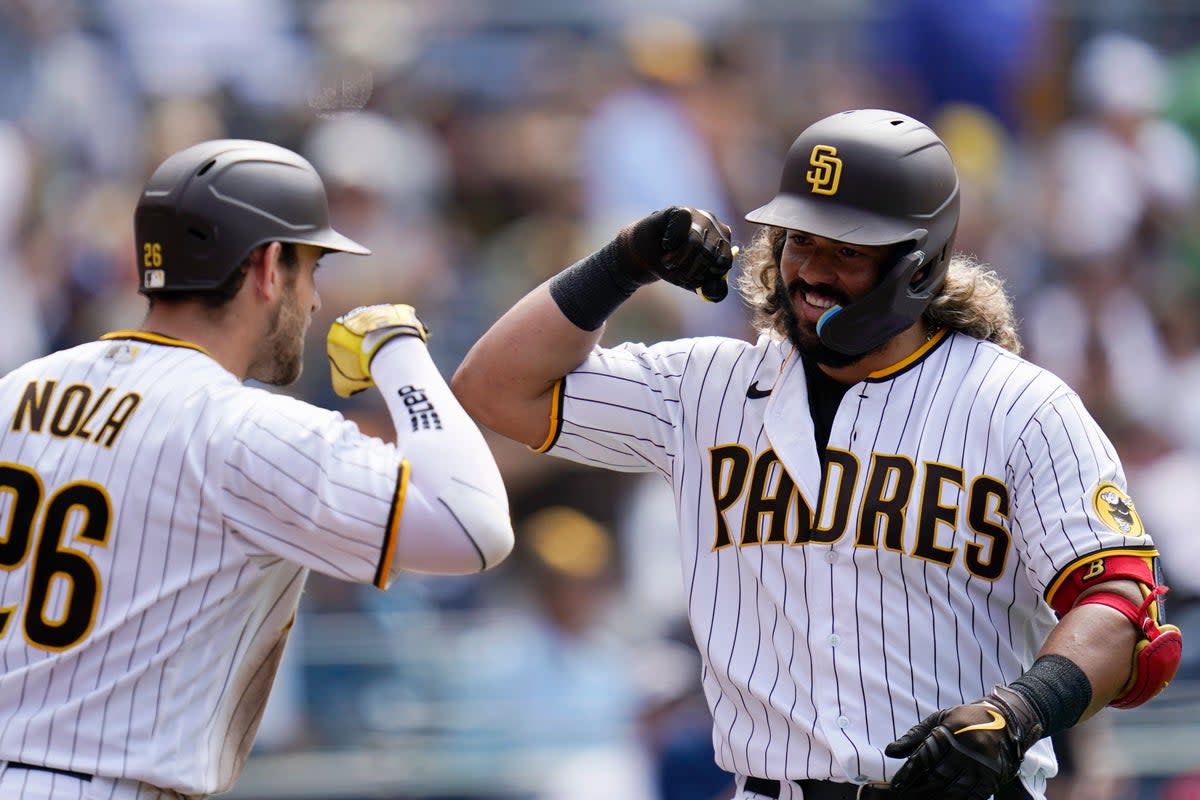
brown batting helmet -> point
(206, 207)
(873, 177)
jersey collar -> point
(905, 363)
(155, 338)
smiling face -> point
(815, 275)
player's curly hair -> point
(973, 299)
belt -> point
(821, 790)
(829, 790)
(83, 776)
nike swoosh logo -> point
(755, 393)
(997, 724)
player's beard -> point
(803, 335)
(283, 351)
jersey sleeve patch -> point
(1116, 510)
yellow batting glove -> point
(356, 336)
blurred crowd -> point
(479, 146)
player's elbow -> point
(469, 543)
(459, 528)
(495, 540)
(469, 385)
(484, 523)
(511, 409)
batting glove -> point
(688, 247)
(355, 337)
(966, 752)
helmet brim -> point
(834, 221)
(333, 241)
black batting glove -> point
(684, 246)
(966, 752)
(688, 247)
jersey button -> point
(834, 640)
(843, 722)
(830, 556)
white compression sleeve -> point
(455, 518)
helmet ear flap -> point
(918, 278)
(880, 314)
(927, 278)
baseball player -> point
(908, 554)
(160, 515)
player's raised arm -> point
(507, 379)
(454, 514)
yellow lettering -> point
(81, 431)
(773, 510)
(889, 488)
(770, 495)
(73, 411)
(151, 254)
(826, 172)
(33, 405)
(988, 500)
(838, 486)
(934, 513)
(728, 466)
(121, 413)
(70, 409)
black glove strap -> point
(668, 243)
(589, 291)
(1057, 689)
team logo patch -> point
(1116, 510)
(122, 352)
(826, 172)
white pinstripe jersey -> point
(961, 484)
(157, 521)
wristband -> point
(1057, 689)
(589, 291)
